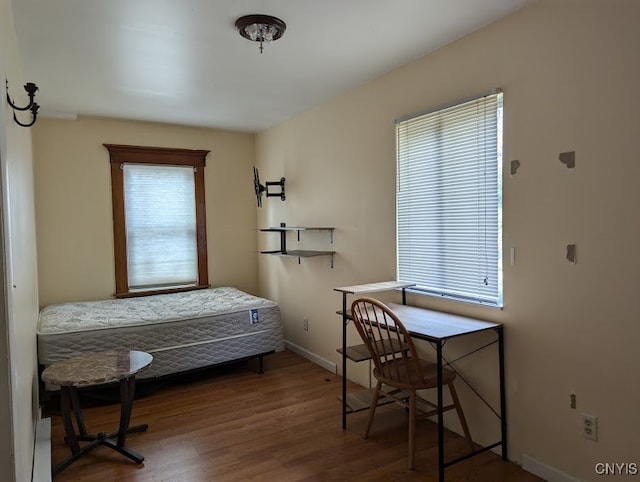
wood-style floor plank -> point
(285, 425)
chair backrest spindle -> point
(387, 339)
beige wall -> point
(570, 72)
(18, 284)
(73, 203)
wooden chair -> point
(398, 367)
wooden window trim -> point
(120, 154)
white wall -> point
(74, 210)
(570, 72)
(18, 366)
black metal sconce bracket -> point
(32, 106)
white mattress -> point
(182, 331)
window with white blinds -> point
(160, 220)
(449, 201)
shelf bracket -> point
(283, 239)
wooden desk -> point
(94, 369)
(436, 328)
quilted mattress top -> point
(92, 315)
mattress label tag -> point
(253, 317)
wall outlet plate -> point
(589, 426)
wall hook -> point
(515, 165)
(32, 106)
(568, 159)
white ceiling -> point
(183, 61)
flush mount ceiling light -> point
(261, 28)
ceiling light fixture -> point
(261, 28)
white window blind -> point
(160, 225)
(449, 201)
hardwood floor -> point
(284, 425)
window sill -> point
(459, 299)
(134, 294)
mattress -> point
(183, 331)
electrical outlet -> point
(589, 426)
(305, 323)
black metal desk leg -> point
(344, 361)
(503, 393)
(440, 414)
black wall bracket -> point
(259, 188)
(273, 184)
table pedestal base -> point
(70, 406)
(102, 438)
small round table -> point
(94, 369)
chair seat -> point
(400, 374)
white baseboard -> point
(317, 359)
(42, 452)
(544, 471)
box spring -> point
(183, 331)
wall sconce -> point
(31, 89)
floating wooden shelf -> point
(298, 253)
(357, 353)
